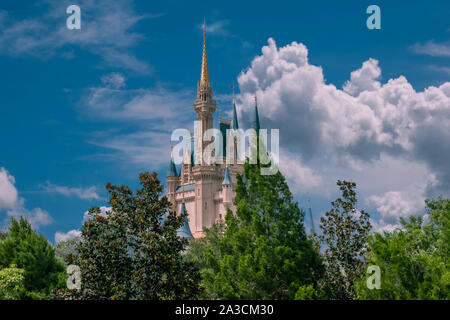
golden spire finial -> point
(204, 77)
(234, 97)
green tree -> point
(64, 248)
(414, 260)
(344, 234)
(12, 283)
(21, 246)
(196, 252)
(264, 252)
(130, 253)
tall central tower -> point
(205, 189)
(204, 105)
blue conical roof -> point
(235, 124)
(256, 125)
(226, 179)
(172, 172)
(184, 231)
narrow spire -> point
(256, 125)
(172, 172)
(227, 179)
(184, 231)
(204, 77)
(235, 124)
(311, 217)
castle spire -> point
(256, 125)
(204, 77)
(172, 172)
(234, 124)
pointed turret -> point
(184, 231)
(311, 217)
(204, 76)
(172, 171)
(227, 179)
(234, 124)
(205, 105)
(256, 125)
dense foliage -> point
(64, 248)
(131, 253)
(264, 252)
(414, 261)
(12, 283)
(344, 233)
(22, 247)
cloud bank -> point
(347, 133)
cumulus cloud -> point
(82, 193)
(15, 205)
(106, 31)
(72, 234)
(364, 79)
(348, 132)
(8, 192)
(301, 178)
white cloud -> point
(105, 31)
(82, 193)
(15, 205)
(364, 79)
(8, 192)
(432, 48)
(440, 69)
(386, 135)
(37, 216)
(217, 28)
(301, 178)
(103, 210)
(154, 112)
(114, 80)
(72, 234)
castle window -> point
(206, 205)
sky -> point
(80, 108)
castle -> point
(206, 191)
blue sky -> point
(80, 108)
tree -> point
(64, 248)
(130, 253)
(264, 252)
(12, 283)
(21, 246)
(414, 260)
(196, 252)
(344, 232)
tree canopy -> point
(23, 247)
(414, 260)
(133, 252)
(264, 252)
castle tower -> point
(205, 105)
(205, 190)
(172, 180)
(227, 190)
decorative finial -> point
(256, 100)
(204, 77)
(234, 97)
